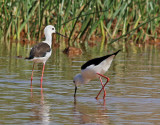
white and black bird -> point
(93, 69)
(42, 51)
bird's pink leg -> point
(32, 74)
(42, 74)
(31, 91)
(103, 85)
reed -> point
(112, 20)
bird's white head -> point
(49, 30)
(78, 79)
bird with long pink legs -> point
(41, 52)
(92, 69)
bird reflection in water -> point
(87, 113)
(40, 108)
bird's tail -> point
(20, 57)
(27, 58)
(116, 52)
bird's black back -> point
(97, 61)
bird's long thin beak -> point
(75, 91)
(61, 34)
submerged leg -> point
(32, 73)
(75, 91)
(42, 74)
(103, 85)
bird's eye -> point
(52, 28)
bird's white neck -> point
(48, 39)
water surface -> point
(133, 95)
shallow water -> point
(133, 92)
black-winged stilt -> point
(92, 69)
(42, 51)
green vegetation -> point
(111, 20)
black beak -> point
(75, 91)
(61, 34)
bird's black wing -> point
(97, 61)
(39, 50)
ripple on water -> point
(132, 92)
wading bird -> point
(93, 69)
(42, 51)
